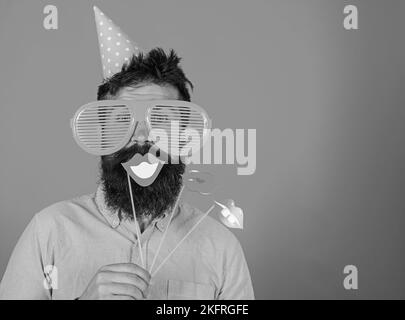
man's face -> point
(161, 195)
(146, 92)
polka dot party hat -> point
(116, 48)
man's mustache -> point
(127, 154)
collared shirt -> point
(66, 243)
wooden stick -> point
(181, 241)
(138, 231)
(167, 228)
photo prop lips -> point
(231, 215)
(143, 169)
(199, 181)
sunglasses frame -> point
(143, 109)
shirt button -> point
(115, 222)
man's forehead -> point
(148, 92)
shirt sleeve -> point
(237, 284)
(24, 277)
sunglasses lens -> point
(102, 129)
(176, 127)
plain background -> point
(327, 103)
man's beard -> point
(151, 201)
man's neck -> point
(144, 222)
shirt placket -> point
(135, 252)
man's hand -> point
(121, 281)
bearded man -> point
(95, 247)
(91, 240)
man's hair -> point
(156, 67)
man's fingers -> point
(125, 289)
(130, 268)
(119, 297)
(124, 277)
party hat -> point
(116, 48)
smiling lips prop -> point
(199, 181)
(143, 169)
(231, 215)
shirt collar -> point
(161, 223)
(113, 219)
